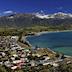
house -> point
(7, 63)
(12, 58)
(14, 67)
(38, 55)
(55, 64)
(46, 58)
(17, 61)
(1, 63)
(15, 55)
(33, 63)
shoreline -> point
(24, 38)
(44, 32)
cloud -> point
(7, 12)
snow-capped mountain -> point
(41, 15)
(12, 18)
(60, 15)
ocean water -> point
(59, 42)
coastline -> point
(24, 38)
(44, 32)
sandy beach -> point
(44, 32)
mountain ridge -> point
(54, 15)
(32, 19)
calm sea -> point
(59, 42)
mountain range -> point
(13, 19)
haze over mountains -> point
(13, 19)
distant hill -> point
(28, 20)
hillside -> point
(28, 20)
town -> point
(13, 56)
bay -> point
(57, 41)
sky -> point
(30, 6)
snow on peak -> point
(41, 15)
(60, 13)
(55, 15)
